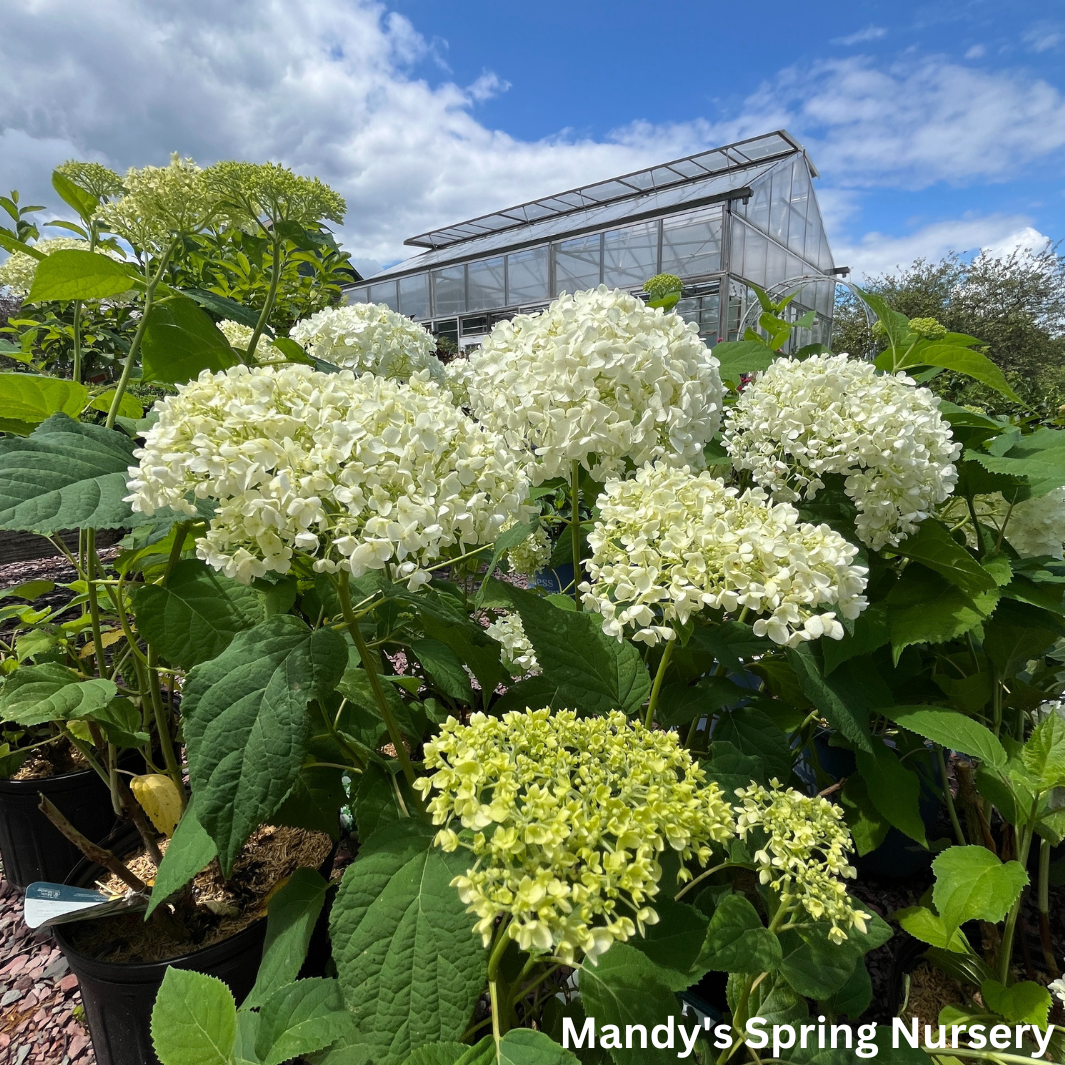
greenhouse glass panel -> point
(486, 287)
(449, 290)
(414, 296)
(776, 264)
(358, 295)
(577, 264)
(630, 255)
(755, 247)
(758, 208)
(527, 276)
(704, 311)
(779, 204)
(691, 243)
(385, 292)
(799, 204)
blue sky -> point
(936, 127)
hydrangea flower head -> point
(830, 414)
(369, 338)
(1057, 989)
(804, 852)
(598, 378)
(662, 285)
(518, 655)
(239, 336)
(670, 542)
(360, 473)
(532, 554)
(564, 818)
(1037, 526)
(928, 328)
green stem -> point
(271, 296)
(657, 686)
(1043, 903)
(575, 528)
(498, 950)
(371, 664)
(949, 798)
(1024, 843)
(138, 336)
(94, 604)
(75, 372)
(163, 726)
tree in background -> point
(1014, 303)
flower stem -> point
(370, 663)
(498, 949)
(575, 528)
(134, 347)
(949, 798)
(271, 296)
(657, 686)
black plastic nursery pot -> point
(118, 996)
(31, 847)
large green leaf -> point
(934, 547)
(813, 965)
(191, 850)
(28, 399)
(754, 733)
(953, 730)
(924, 607)
(1039, 458)
(247, 727)
(1023, 1003)
(1044, 753)
(444, 668)
(739, 357)
(730, 768)
(195, 615)
(85, 203)
(290, 920)
(960, 360)
(893, 789)
(626, 987)
(1019, 632)
(180, 341)
(226, 308)
(300, 1018)
(675, 942)
(409, 965)
(737, 940)
(594, 672)
(194, 1019)
(65, 475)
(680, 703)
(51, 692)
(842, 699)
(73, 274)
(928, 927)
(973, 884)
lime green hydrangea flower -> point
(805, 856)
(565, 818)
(928, 328)
(663, 285)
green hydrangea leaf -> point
(893, 789)
(73, 274)
(1044, 753)
(246, 723)
(65, 475)
(191, 850)
(736, 940)
(180, 341)
(973, 884)
(195, 615)
(952, 730)
(594, 672)
(1023, 1003)
(409, 965)
(626, 987)
(290, 920)
(51, 692)
(675, 943)
(928, 927)
(934, 547)
(194, 1020)
(31, 398)
(300, 1018)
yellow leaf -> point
(80, 730)
(160, 800)
(106, 638)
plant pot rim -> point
(75, 776)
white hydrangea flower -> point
(800, 420)
(532, 554)
(18, 270)
(670, 542)
(239, 336)
(518, 654)
(1057, 988)
(457, 380)
(358, 472)
(369, 338)
(598, 378)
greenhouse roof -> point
(707, 177)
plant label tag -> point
(50, 904)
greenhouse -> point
(742, 214)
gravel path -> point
(40, 1005)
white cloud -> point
(327, 86)
(870, 33)
(877, 253)
(976, 52)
